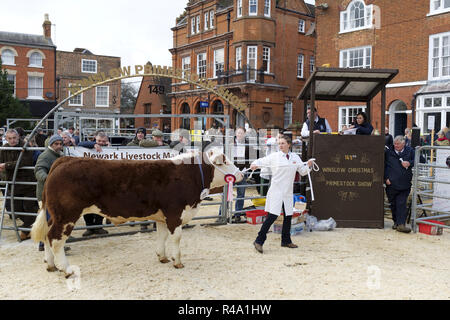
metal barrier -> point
(425, 184)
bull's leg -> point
(57, 240)
(161, 236)
(175, 237)
(49, 257)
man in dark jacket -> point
(8, 161)
(399, 161)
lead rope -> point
(314, 167)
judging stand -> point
(349, 184)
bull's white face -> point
(222, 166)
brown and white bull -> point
(165, 191)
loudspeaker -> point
(415, 137)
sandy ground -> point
(221, 263)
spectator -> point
(8, 161)
(389, 140)
(447, 132)
(43, 165)
(75, 134)
(181, 140)
(442, 139)
(320, 125)
(241, 159)
(40, 138)
(362, 125)
(140, 135)
(408, 133)
(399, 161)
(91, 219)
(68, 141)
(157, 136)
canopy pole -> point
(312, 116)
(383, 109)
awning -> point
(346, 84)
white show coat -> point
(282, 185)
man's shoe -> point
(258, 247)
(100, 231)
(394, 226)
(41, 246)
(403, 228)
(24, 235)
(290, 245)
(88, 232)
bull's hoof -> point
(178, 266)
(52, 269)
(164, 260)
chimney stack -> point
(47, 26)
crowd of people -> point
(399, 159)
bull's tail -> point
(40, 226)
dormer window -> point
(357, 16)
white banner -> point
(109, 153)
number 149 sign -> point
(156, 89)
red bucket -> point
(429, 229)
(256, 216)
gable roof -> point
(25, 39)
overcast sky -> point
(137, 31)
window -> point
(266, 59)
(219, 61)
(356, 58)
(89, 66)
(312, 62)
(211, 19)
(197, 22)
(251, 61)
(11, 78)
(267, 8)
(238, 58)
(206, 26)
(347, 115)
(433, 111)
(8, 57)
(76, 100)
(102, 96)
(357, 16)
(35, 59)
(185, 66)
(439, 6)
(301, 26)
(439, 56)
(35, 87)
(300, 60)
(201, 65)
(253, 7)
(239, 8)
(287, 113)
(193, 26)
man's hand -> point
(253, 167)
(388, 183)
(98, 148)
(310, 163)
(406, 164)
(316, 131)
(2, 166)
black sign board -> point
(349, 185)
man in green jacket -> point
(8, 161)
(45, 161)
(140, 140)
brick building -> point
(30, 61)
(412, 36)
(73, 67)
(259, 50)
(153, 98)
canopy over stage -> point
(349, 185)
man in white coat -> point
(283, 164)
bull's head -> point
(222, 167)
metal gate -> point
(431, 187)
